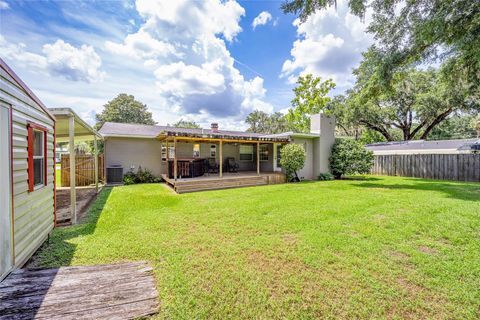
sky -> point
(204, 61)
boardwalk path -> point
(116, 291)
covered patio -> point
(192, 161)
(71, 128)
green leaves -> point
(292, 159)
(350, 157)
(125, 109)
(262, 122)
(310, 98)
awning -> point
(82, 130)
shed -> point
(27, 180)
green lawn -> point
(378, 248)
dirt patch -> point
(85, 197)
(290, 239)
(427, 250)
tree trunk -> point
(436, 122)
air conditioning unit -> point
(115, 174)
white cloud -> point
(4, 5)
(329, 45)
(59, 58)
(261, 19)
(183, 43)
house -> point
(455, 146)
(180, 155)
(27, 160)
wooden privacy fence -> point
(460, 167)
(84, 170)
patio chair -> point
(232, 165)
(212, 166)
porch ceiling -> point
(82, 131)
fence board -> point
(84, 170)
(458, 167)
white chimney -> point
(325, 127)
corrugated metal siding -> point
(33, 211)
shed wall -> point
(33, 216)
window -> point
(171, 152)
(264, 152)
(196, 150)
(213, 151)
(246, 152)
(37, 160)
(279, 155)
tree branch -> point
(435, 122)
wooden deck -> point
(228, 180)
(116, 291)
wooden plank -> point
(118, 291)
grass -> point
(58, 175)
(384, 247)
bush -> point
(292, 159)
(350, 157)
(142, 176)
(325, 176)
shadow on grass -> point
(58, 251)
(467, 191)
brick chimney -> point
(214, 127)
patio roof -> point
(82, 131)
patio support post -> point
(71, 145)
(95, 154)
(258, 158)
(167, 158)
(220, 165)
(175, 159)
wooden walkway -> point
(116, 291)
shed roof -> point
(22, 84)
(418, 146)
(82, 130)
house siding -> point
(306, 173)
(134, 152)
(33, 212)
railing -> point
(187, 168)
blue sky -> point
(197, 60)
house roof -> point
(111, 129)
(22, 84)
(423, 146)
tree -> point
(415, 32)
(262, 122)
(186, 124)
(456, 127)
(310, 98)
(350, 157)
(414, 102)
(124, 108)
(292, 159)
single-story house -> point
(454, 146)
(27, 160)
(180, 154)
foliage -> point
(370, 136)
(186, 124)
(125, 109)
(310, 98)
(141, 176)
(456, 127)
(262, 122)
(325, 176)
(415, 102)
(350, 157)
(415, 32)
(292, 159)
(281, 245)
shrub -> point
(350, 157)
(292, 159)
(141, 176)
(325, 176)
